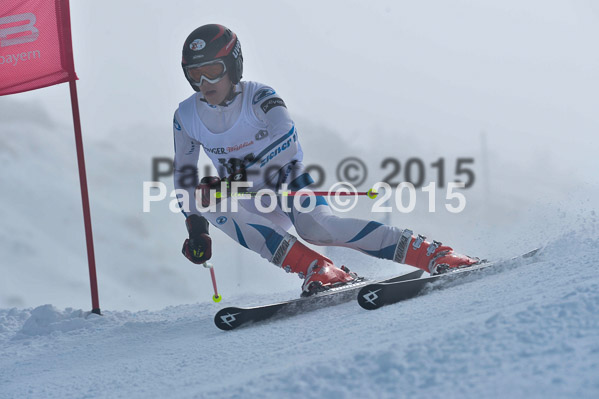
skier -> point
(246, 131)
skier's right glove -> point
(198, 247)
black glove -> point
(203, 189)
(198, 247)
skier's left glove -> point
(198, 247)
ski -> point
(234, 317)
(373, 296)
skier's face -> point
(215, 93)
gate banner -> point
(35, 45)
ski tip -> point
(370, 298)
(228, 318)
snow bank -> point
(46, 319)
(11, 320)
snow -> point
(527, 330)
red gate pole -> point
(93, 281)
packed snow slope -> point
(521, 330)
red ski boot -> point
(318, 271)
(434, 257)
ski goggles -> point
(211, 72)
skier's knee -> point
(312, 231)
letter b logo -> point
(14, 30)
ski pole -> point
(215, 297)
(370, 193)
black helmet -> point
(212, 42)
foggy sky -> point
(444, 70)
